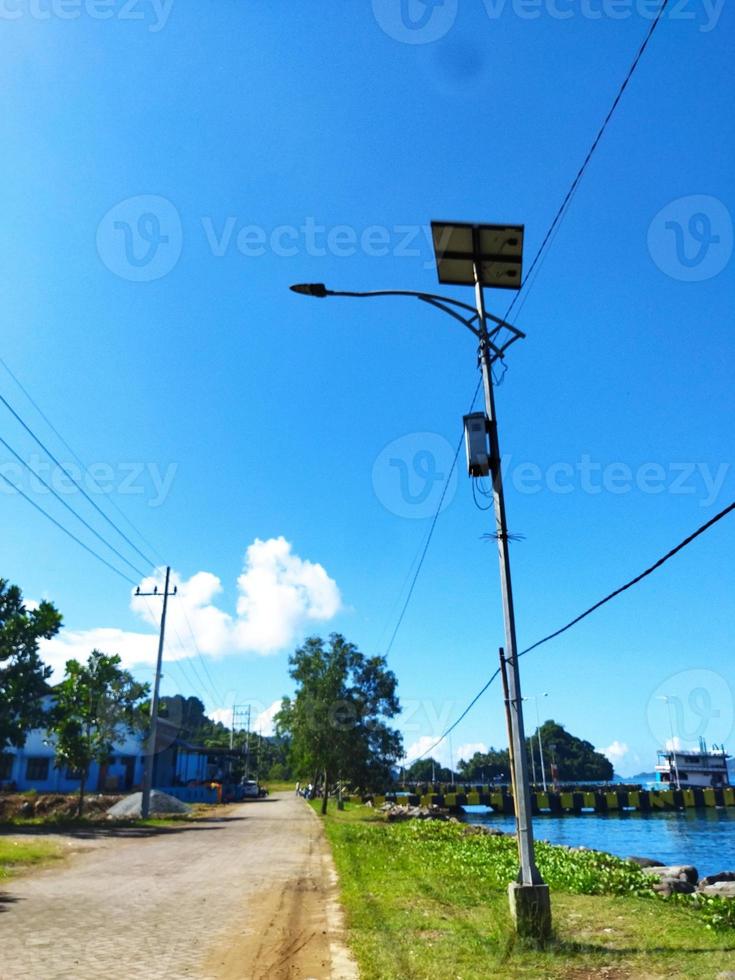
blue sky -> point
(167, 173)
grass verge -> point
(16, 855)
(428, 899)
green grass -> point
(16, 855)
(279, 785)
(428, 900)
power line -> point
(551, 636)
(634, 581)
(70, 508)
(65, 530)
(212, 688)
(430, 534)
(560, 214)
(75, 482)
(203, 662)
(80, 462)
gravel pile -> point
(161, 803)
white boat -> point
(685, 768)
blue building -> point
(176, 764)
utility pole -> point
(145, 805)
(470, 254)
(529, 897)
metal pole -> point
(667, 699)
(145, 804)
(508, 722)
(529, 873)
(540, 747)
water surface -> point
(704, 838)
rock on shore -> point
(683, 879)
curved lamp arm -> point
(443, 303)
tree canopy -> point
(96, 705)
(23, 674)
(575, 759)
(335, 721)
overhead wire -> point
(564, 206)
(429, 536)
(573, 622)
(65, 529)
(202, 686)
(71, 510)
(76, 483)
(76, 457)
(547, 240)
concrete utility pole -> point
(145, 805)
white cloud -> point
(265, 722)
(423, 744)
(467, 751)
(615, 752)
(627, 761)
(674, 743)
(279, 596)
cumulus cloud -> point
(421, 745)
(615, 752)
(467, 751)
(279, 596)
(626, 761)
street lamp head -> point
(310, 289)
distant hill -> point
(640, 777)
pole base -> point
(530, 906)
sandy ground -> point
(250, 895)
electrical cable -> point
(75, 482)
(215, 689)
(65, 530)
(551, 636)
(70, 508)
(430, 534)
(81, 463)
(560, 214)
(207, 690)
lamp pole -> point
(535, 698)
(529, 873)
(490, 255)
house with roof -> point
(177, 764)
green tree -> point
(335, 720)
(484, 767)
(96, 705)
(23, 674)
(427, 771)
(576, 759)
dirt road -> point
(251, 895)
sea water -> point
(704, 838)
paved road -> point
(250, 895)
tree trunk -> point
(82, 784)
(325, 796)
